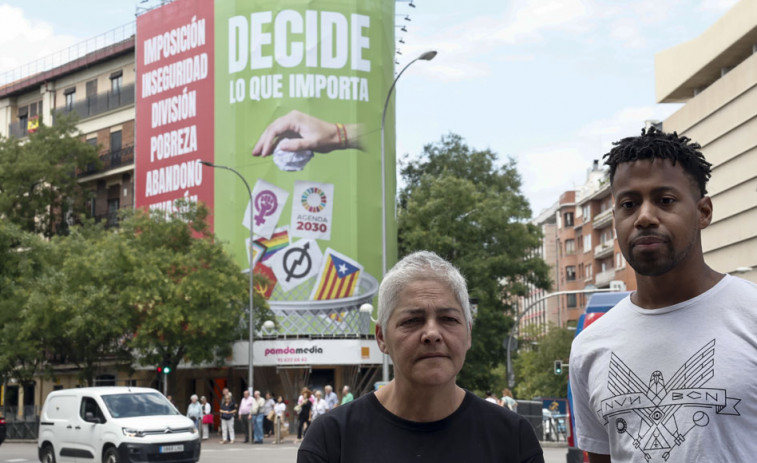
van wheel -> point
(111, 455)
(48, 454)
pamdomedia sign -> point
(289, 94)
(309, 352)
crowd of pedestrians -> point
(260, 416)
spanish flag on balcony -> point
(32, 124)
(338, 278)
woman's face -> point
(280, 399)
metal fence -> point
(23, 425)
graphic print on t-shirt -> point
(659, 415)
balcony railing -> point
(16, 130)
(110, 160)
(101, 103)
(603, 219)
(603, 250)
(603, 279)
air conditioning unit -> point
(617, 285)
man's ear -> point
(704, 207)
(380, 338)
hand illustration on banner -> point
(290, 137)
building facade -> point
(715, 75)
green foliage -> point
(38, 187)
(458, 203)
(156, 290)
(535, 375)
(189, 296)
(21, 259)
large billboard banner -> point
(289, 93)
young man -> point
(424, 325)
(667, 375)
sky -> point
(548, 83)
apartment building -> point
(95, 80)
(580, 246)
(715, 75)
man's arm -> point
(598, 458)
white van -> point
(114, 425)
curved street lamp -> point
(427, 56)
(252, 314)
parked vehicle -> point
(598, 305)
(114, 425)
(2, 429)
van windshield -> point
(140, 404)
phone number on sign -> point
(292, 360)
(310, 226)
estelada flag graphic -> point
(338, 278)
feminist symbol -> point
(290, 270)
(266, 204)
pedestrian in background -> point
(304, 409)
(194, 411)
(346, 395)
(245, 414)
(330, 397)
(320, 406)
(268, 414)
(258, 403)
(228, 412)
(207, 417)
(424, 325)
(508, 401)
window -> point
(70, 94)
(570, 247)
(587, 243)
(568, 219)
(570, 273)
(571, 300)
(116, 81)
(587, 212)
(619, 262)
(105, 380)
(588, 271)
(89, 406)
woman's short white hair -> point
(420, 266)
(193, 397)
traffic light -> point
(558, 367)
(165, 369)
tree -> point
(536, 376)
(38, 185)
(21, 260)
(78, 313)
(459, 204)
(189, 295)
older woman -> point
(194, 411)
(207, 417)
(424, 325)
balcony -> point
(110, 160)
(604, 250)
(603, 279)
(101, 103)
(602, 220)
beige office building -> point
(715, 75)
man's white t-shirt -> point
(675, 384)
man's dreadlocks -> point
(655, 144)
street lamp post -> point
(252, 314)
(427, 56)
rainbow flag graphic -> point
(338, 278)
(278, 241)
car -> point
(114, 425)
(2, 429)
(598, 305)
